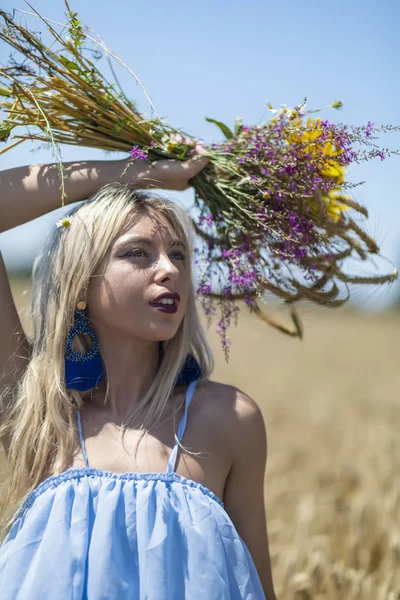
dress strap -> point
(181, 427)
(78, 415)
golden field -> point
(332, 409)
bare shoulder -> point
(227, 399)
(238, 415)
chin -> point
(165, 337)
(161, 334)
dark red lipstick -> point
(168, 308)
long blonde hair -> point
(41, 423)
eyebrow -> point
(145, 240)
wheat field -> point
(332, 407)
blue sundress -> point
(89, 534)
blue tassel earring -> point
(190, 370)
(82, 371)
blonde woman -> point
(130, 474)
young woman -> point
(115, 488)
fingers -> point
(199, 149)
(196, 164)
(171, 174)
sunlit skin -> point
(132, 274)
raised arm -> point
(30, 192)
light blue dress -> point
(97, 535)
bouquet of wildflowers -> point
(275, 211)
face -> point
(145, 261)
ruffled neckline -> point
(77, 473)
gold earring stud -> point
(81, 305)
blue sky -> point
(221, 60)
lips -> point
(166, 308)
(172, 295)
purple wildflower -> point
(369, 128)
(137, 153)
(207, 218)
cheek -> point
(116, 290)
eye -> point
(139, 253)
(135, 253)
(181, 255)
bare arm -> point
(14, 346)
(32, 191)
(244, 489)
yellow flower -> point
(318, 149)
(333, 169)
(171, 146)
(65, 222)
(305, 136)
(335, 207)
(324, 154)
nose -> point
(166, 269)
